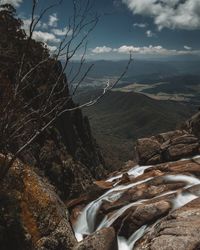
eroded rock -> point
(179, 230)
(167, 147)
(42, 217)
(104, 239)
(142, 215)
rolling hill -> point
(120, 118)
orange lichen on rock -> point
(29, 222)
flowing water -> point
(86, 223)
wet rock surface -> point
(152, 207)
(179, 230)
(104, 239)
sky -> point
(146, 28)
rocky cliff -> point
(32, 83)
(61, 162)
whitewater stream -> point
(86, 223)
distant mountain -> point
(140, 69)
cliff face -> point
(66, 152)
(68, 155)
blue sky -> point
(147, 28)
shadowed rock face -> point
(193, 125)
(68, 155)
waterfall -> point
(86, 223)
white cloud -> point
(53, 20)
(127, 49)
(173, 14)
(149, 33)
(44, 26)
(45, 37)
(15, 3)
(187, 47)
(145, 50)
(52, 48)
(140, 25)
(62, 32)
(40, 35)
(103, 49)
(154, 50)
(27, 22)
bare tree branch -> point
(36, 100)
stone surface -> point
(42, 218)
(193, 125)
(166, 147)
(104, 239)
(148, 151)
(142, 215)
(179, 230)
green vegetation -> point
(120, 118)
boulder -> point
(166, 147)
(104, 239)
(142, 215)
(41, 218)
(179, 230)
(148, 151)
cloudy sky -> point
(147, 28)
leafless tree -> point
(31, 107)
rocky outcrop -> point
(68, 155)
(193, 125)
(60, 147)
(69, 176)
(170, 146)
(144, 213)
(179, 230)
(32, 215)
(104, 239)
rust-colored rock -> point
(104, 184)
(43, 218)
